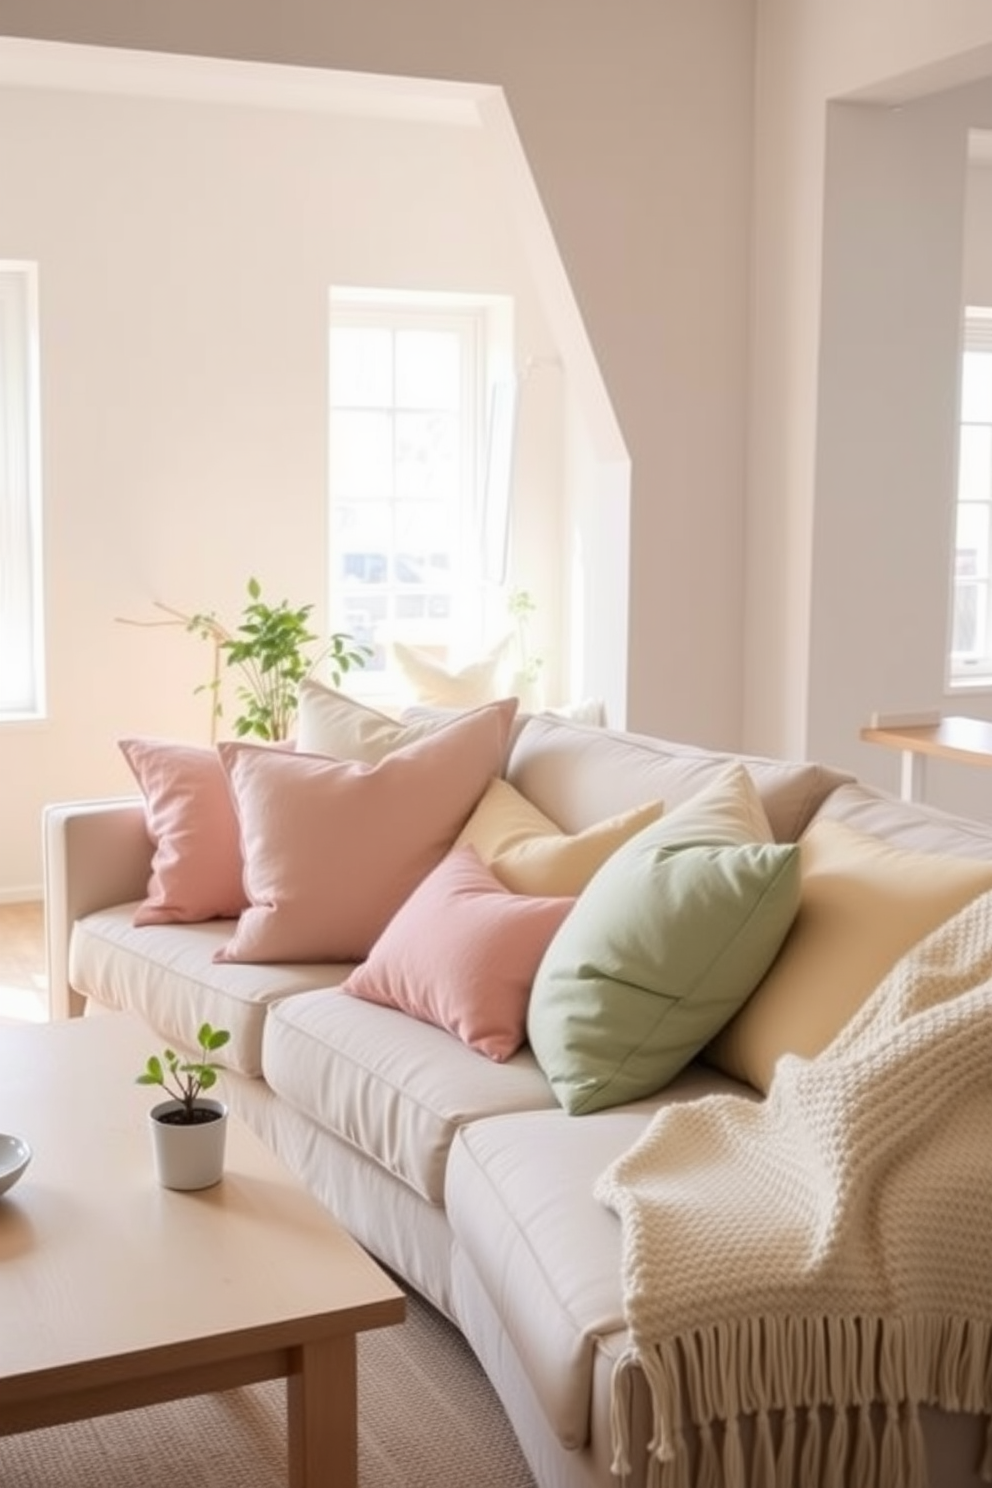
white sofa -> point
(462, 1175)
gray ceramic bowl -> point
(14, 1158)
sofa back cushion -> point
(579, 775)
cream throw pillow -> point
(530, 854)
(863, 905)
(330, 723)
(435, 685)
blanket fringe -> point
(794, 1369)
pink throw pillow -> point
(463, 952)
(332, 848)
(196, 862)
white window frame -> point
(485, 326)
(22, 672)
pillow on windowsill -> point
(196, 858)
(461, 953)
(438, 687)
(332, 848)
(663, 946)
(530, 854)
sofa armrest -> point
(95, 854)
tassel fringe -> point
(807, 1387)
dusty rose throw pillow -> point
(332, 848)
(462, 952)
(196, 863)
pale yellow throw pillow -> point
(530, 854)
(864, 904)
(434, 684)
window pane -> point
(976, 387)
(361, 367)
(403, 478)
(21, 677)
(972, 542)
(427, 456)
(970, 619)
(975, 463)
(361, 456)
(428, 369)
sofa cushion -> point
(462, 953)
(863, 904)
(578, 775)
(393, 1086)
(168, 975)
(196, 859)
(531, 855)
(910, 824)
(519, 1196)
(662, 947)
(332, 848)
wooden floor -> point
(23, 984)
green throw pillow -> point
(662, 947)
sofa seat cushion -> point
(578, 775)
(519, 1196)
(167, 974)
(393, 1086)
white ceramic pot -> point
(188, 1156)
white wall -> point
(886, 435)
(858, 243)
(185, 253)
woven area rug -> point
(428, 1418)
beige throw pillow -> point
(530, 854)
(864, 903)
(332, 724)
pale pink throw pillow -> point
(196, 862)
(332, 848)
(463, 952)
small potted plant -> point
(188, 1128)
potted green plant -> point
(271, 651)
(188, 1129)
(526, 679)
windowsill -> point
(24, 723)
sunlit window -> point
(21, 651)
(408, 392)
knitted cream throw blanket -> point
(830, 1246)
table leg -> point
(322, 1414)
(913, 774)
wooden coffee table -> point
(117, 1293)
